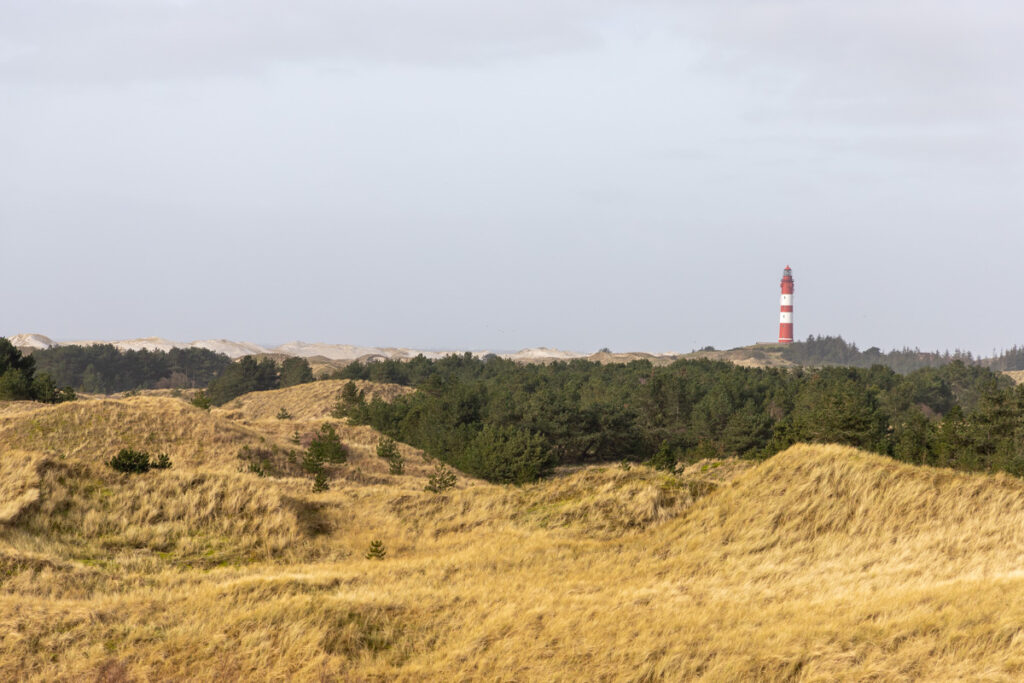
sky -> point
(577, 174)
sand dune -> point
(821, 563)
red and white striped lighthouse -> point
(786, 308)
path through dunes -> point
(821, 563)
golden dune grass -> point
(311, 401)
(822, 563)
(19, 483)
(1016, 375)
(95, 429)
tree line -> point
(105, 369)
(506, 422)
(252, 374)
(828, 350)
(19, 380)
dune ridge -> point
(821, 563)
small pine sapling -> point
(201, 400)
(376, 551)
(665, 458)
(283, 414)
(326, 445)
(441, 480)
(386, 448)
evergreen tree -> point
(295, 371)
(248, 374)
(326, 446)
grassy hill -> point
(821, 563)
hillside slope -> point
(95, 429)
(821, 563)
(305, 401)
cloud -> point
(153, 40)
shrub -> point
(326, 446)
(283, 414)
(351, 394)
(441, 480)
(664, 458)
(320, 482)
(130, 461)
(386, 448)
(376, 551)
(312, 464)
(162, 462)
(396, 465)
(201, 400)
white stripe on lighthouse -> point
(787, 299)
(786, 317)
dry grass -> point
(1016, 375)
(304, 401)
(93, 430)
(823, 563)
(19, 483)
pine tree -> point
(441, 480)
(376, 551)
(295, 371)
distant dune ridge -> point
(334, 352)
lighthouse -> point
(786, 308)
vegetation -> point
(607, 573)
(827, 350)
(104, 369)
(131, 461)
(441, 480)
(241, 377)
(376, 551)
(822, 562)
(388, 450)
(326, 446)
(511, 423)
(250, 374)
(19, 381)
(295, 371)
(201, 400)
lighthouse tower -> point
(786, 308)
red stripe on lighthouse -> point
(786, 307)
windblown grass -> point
(312, 401)
(93, 430)
(822, 563)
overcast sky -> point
(466, 174)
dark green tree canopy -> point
(513, 423)
(19, 381)
(104, 369)
(241, 377)
(295, 371)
